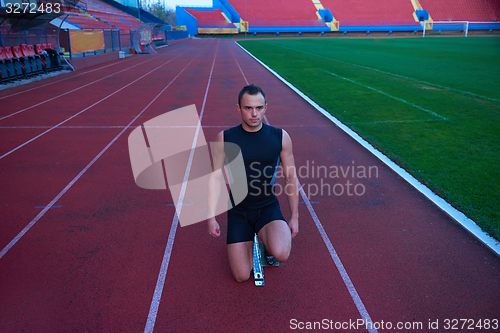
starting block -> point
(258, 272)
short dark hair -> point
(251, 89)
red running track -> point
(90, 260)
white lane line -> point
(343, 273)
(454, 213)
(340, 267)
(386, 94)
(166, 126)
(51, 83)
(76, 89)
(102, 127)
(237, 63)
(395, 75)
(155, 303)
(245, 78)
(42, 213)
(87, 108)
(63, 127)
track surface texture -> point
(82, 245)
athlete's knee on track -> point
(241, 276)
(241, 273)
(279, 250)
(281, 255)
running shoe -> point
(269, 258)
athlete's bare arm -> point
(291, 182)
(214, 182)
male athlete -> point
(263, 147)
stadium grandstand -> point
(72, 29)
(340, 16)
(463, 10)
(100, 15)
(42, 36)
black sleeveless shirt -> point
(261, 155)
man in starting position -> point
(263, 147)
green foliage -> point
(160, 11)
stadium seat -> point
(39, 48)
(210, 18)
(107, 17)
(383, 12)
(463, 10)
(39, 61)
(17, 68)
(34, 62)
(54, 58)
(277, 13)
(50, 46)
(4, 69)
(16, 51)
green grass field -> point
(432, 105)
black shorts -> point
(243, 224)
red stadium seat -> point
(269, 13)
(34, 61)
(40, 61)
(31, 50)
(39, 48)
(44, 57)
(4, 66)
(50, 46)
(18, 53)
(20, 70)
(210, 18)
(383, 12)
(462, 10)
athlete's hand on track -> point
(294, 227)
(213, 227)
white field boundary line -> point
(396, 75)
(76, 89)
(72, 182)
(54, 82)
(87, 108)
(454, 213)
(155, 303)
(393, 121)
(338, 263)
(386, 94)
